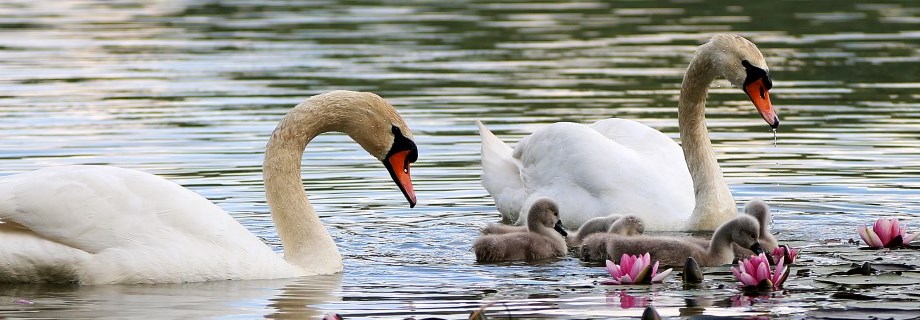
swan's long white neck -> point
(306, 242)
(714, 202)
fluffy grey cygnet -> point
(594, 243)
(674, 251)
(761, 212)
(498, 228)
(623, 225)
(544, 238)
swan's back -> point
(125, 226)
(598, 174)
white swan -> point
(106, 225)
(625, 167)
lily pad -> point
(885, 279)
(852, 296)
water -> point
(190, 90)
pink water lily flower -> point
(886, 233)
(784, 252)
(634, 269)
(755, 272)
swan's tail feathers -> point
(492, 145)
(501, 174)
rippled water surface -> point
(191, 90)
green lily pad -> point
(885, 279)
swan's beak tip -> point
(775, 123)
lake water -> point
(191, 90)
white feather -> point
(612, 166)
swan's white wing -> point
(126, 221)
(501, 174)
(591, 174)
(97, 207)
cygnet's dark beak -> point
(560, 230)
(756, 248)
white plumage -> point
(103, 225)
(611, 166)
(618, 166)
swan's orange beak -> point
(398, 166)
(760, 96)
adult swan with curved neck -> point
(625, 167)
(106, 225)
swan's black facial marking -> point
(401, 154)
(754, 74)
(756, 86)
(401, 143)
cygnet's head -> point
(627, 225)
(544, 212)
(744, 231)
(759, 210)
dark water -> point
(191, 90)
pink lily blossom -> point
(784, 252)
(886, 233)
(755, 272)
(635, 269)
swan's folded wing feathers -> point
(96, 207)
(589, 175)
(501, 174)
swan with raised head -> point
(625, 167)
(107, 225)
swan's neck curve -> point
(714, 202)
(306, 242)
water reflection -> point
(287, 298)
(192, 89)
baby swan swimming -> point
(674, 251)
(594, 244)
(761, 212)
(627, 225)
(544, 238)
